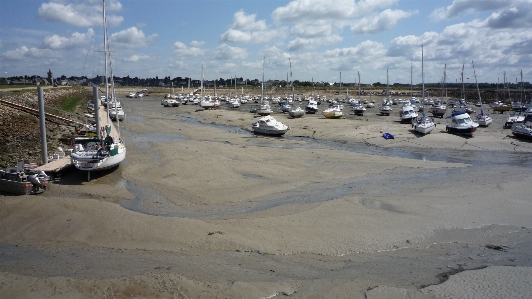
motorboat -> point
(370, 105)
(116, 112)
(407, 113)
(22, 181)
(461, 123)
(498, 106)
(523, 129)
(423, 124)
(358, 108)
(513, 118)
(285, 107)
(206, 103)
(385, 108)
(233, 103)
(311, 107)
(438, 109)
(335, 111)
(169, 102)
(296, 112)
(264, 109)
(268, 125)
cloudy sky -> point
(322, 38)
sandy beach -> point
(202, 208)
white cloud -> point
(519, 16)
(309, 10)
(56, 42)
(25, 52)
(245, 29)
(130, 38)
(300, 43)
(380, 22)
(135, 58)
(196, 43)
(460, 6)
(82, 14)
(312, 29)
(181, 49)
(225, 52)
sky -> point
(322, 40)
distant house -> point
(40, 81)
(21, 82)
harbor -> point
(200, 193)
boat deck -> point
(56, 165)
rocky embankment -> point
(19, 131)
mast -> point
(411, 93)
(106, 53)
(291, 82)
(521, 87)
(340, 92)
(387, 86)
(359, 95)
(422, 77)
(202, 80)
(262, 94)
(443, 83)
(463, 87)
(478, 90)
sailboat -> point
(483, 118)
(297, 111)
(358, 108)
(264, 108)
(461, 122)
(516, 115)
(423, 124)
(205, 101)
(386, 108)
(100, 153)
(438, 107)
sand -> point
(201, 208)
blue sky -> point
(231, 37)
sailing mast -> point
(262, 94)
(422, 77)
(202, 80)
(291, 82)
(411, 93)
(463, 86)
(106, 52)
(359, 95)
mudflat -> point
(202, 208)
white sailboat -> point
(483, 118)
(264, 108)
(294, 112)
(358, 107)
(423, 124)
(100, 153)
(438, 107)
(386, 108)
(205, 102)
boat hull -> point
(296, 114)
(91, 161)
(461, 131)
